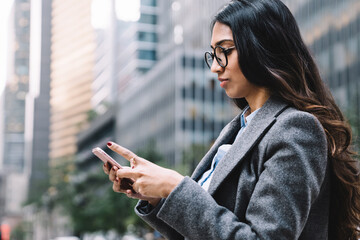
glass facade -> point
(16, 90)
(136, 44)
(72, 65)
(13, 169)
(38, 103)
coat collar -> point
(251, 135)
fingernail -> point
(109, 144)
(133, 167)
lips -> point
(223, 81)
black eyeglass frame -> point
(226, 51)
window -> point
(147, 54)
(147, 36)
(148, 2)
(148, 18)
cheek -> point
(237, 75)
(235, 70)
(239, 86)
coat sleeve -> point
(148, 213)
(293, 171)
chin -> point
(232, 95)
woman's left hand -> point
(150, 180)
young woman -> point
(281, 169)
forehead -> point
(220, 32)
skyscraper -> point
(72, 63)
(13, 165)
(104, 84)
(137, 38)
(38, 100)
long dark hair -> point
(272, 54)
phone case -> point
(105, 157)
(126, 183)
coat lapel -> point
(225, 136)
(263, 120)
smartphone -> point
(105, 157)
(126, 183)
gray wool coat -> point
(273, 183)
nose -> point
(215, 67)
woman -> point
(282, 169)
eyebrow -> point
(221, 41)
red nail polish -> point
(133, 167)
(109, 144)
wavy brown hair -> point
(272, 54)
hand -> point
(125, 185)
(150, 180)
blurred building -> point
(126, 41)
(2, 182)
(37, 120)
(104, 85)
(73, 46)
(331, 28)
(137, 37)
(178, 102)
(126, 37)
(38, 100)
(14, 168)
(72, 63)
(125, 48)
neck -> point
(257, 100)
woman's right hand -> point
(122, 187)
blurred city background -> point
(76, 74)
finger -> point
(112, 174)
(126, 153)
(116, 186)
(132, 194)
(106, 171)
(127, 173)
(106, 168)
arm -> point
(292, 175)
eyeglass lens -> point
(209, 59)
(220, 57)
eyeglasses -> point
(220, 53)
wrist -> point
(154, 202)
(174, 180)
